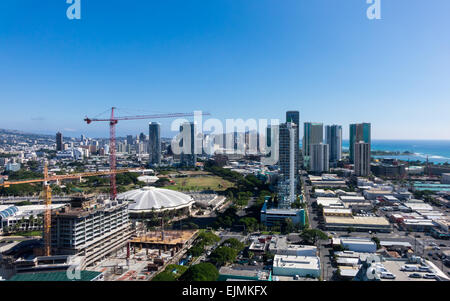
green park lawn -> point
(198, 183)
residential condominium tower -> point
(313, 134)
(320, 158)
(294, 116)
(362, 159)
(288, 162)
(333, 137)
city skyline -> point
(324, 59)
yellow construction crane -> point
(48, 195)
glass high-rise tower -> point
(154, 143)
(333, 137)
(359, 132)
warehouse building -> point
(361, 245)
(358, 223)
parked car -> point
(442, 245)
(415, 275)
(387, 275)
(429, 276)
(424, 269)
(409, 268)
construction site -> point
(146, 255)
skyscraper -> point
(320, 158)
(130, 140)
(362, 159)
(154, 143)
(59, 142)
(288, 162)
(333, 137)
(285, 148)
(313, 134)
(189, 157)
(294, 116)
(359, 132)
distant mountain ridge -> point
(21, 133)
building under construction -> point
(165, 240)
(90, 227)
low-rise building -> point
(358, 223)
(303, 266)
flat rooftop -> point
(296, 262)
(170, 237)
(358, 220)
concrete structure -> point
(333, 137)
(320, 158)
(154, 143)
(359, 132)
(303, 266)
(152, 199)
(90, 228)
(362, 159)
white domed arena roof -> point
(148, 198)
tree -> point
(223, 255)
(377, 241)
(234, 244)
(313, 235)
(164, 276)
(201, 272)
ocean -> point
(438, 151)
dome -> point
(148, 198)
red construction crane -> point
(112, 132)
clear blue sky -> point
(233, 58)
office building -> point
(319, 158)
(333, 137)
(154, 143)
(59, 142)
(362, 159)
(313, 134)
(358, 132)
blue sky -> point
(233, 58)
